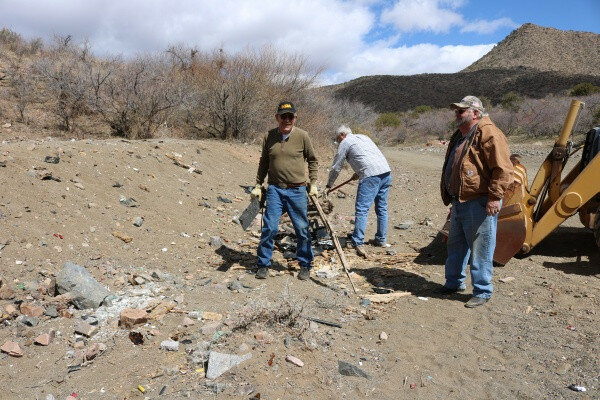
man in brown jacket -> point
(476, 173)
(286, 150)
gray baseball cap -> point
(469, 102)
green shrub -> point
(584, 89)
(511, 101)
(387, 120)
(420, 110)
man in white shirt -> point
(374, 174)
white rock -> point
(169, 345)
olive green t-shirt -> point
(284, 160)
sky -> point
(347, 38)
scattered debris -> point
(348, 369)
(124, 237)
(52, 159)
(294, 360)
(45, 338)
(507, 279)
(85, 329)
(169, 345)
(128, 201)
(577, 388)
(131, 317)
(404, 225)
(386, 297)
(85, 290)
(12, 349)
(219, 363)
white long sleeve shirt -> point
(362, 154)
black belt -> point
(290, 185)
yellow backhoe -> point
(530, 213)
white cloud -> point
(330, 33)
(486, 27)
(409, 60)
(422, 15)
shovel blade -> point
(250, 213)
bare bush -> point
(232, 96)
(134, 98)
(63, 71)
(21, 82)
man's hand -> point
(492, 207)
(313, 190)
(257, 192)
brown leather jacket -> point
(486, 169)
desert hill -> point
(544, 49)
(532, 61)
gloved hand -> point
(312, 191)
(257, 191)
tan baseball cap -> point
(469, 102)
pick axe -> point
(353, 178)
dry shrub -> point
(284, 314)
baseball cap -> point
(286, 107)
(469, 102)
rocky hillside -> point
(545, 49)
(532, 61)
(389, 93)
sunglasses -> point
(287, 116)
(461, 110)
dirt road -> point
(538, 335)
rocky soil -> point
(182, 316)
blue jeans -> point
(371, 189)
(294, 201)
(472, 235)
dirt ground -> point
(538, 335)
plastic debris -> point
(141, 388)
(577, 388)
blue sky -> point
(348, 38)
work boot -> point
(304, 273)
(476, 302)
(377, 243)
(445, 290)
(262, 273)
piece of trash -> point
(141, 388)
(382, 290)
(423, 298)
(270, 362)
(348, 369)
(58, 235)
(136, 337)
(162, 391)
(200, 371)
(577, 388)
(571, 327)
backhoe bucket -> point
(512, 220)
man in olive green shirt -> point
(285, 152)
